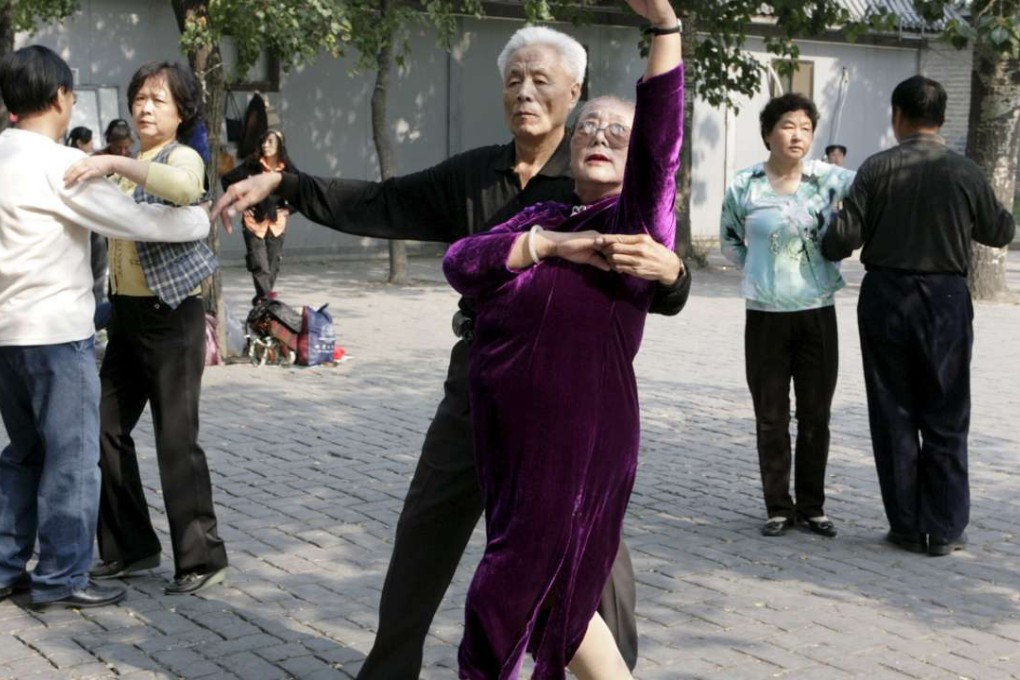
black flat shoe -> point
(915, 543)
(939, 546)
(822, 526)
(92, 595)
(775, 526)
(117, 569)
(193, 583)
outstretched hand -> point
(242, 195)
(88, 168)
(658, 12)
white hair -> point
(572, 54)
(600, 102)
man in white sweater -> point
(49, 386)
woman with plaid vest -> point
(156, 351)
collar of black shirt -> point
(924, 137)
(557, 166)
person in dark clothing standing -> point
(265, 223)
(465, 194)
(915, 209)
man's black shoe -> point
(193, 583)
(92, 595)
(117, 569)
(22, 584)
(915, 543)
(939, 546)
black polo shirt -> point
(467, 193)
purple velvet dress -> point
(555, 407)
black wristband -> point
(654, 30)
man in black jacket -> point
(915, 209)
(473, 191)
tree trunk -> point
(207, 64)
(993, 142)
(6, 45)
(383, 148)
(684, 243)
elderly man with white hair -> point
(542, 71)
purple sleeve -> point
(653, 158)
(476, 264)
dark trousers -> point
(156, 355)
(441, 510)
(916, 340)
(803, 346)
(263, 260)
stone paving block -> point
(310, 469)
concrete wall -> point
(441, 103)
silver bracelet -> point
(532, 251)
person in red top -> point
(266, 221)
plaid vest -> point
(173, 270)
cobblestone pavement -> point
(310, 467)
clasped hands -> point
(633, 254)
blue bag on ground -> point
(317, 340)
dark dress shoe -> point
(193, 583)
(939, 546)
(22, 584)
(822, 527)
(775, 526)
(92, 595)
(117, 569)
(915, 543)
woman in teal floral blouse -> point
(773, 218)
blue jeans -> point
(49, 473)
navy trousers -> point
(916, 338)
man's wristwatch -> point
(655, 30)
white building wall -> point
(952, 68)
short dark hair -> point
(921, 100)
(780, 106)
(835, 147)
(31, 78)
(118, 130)
(80, 134)
(183, 88)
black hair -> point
(183, 88)
(833, 147)
(253, 160)
(780, 106)
(921, 101)
(31, 78)
(79, 135)
(117, 130)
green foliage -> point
(720, 67)
(294, 30)
(28, 14)
(995, 23)
(371, 25)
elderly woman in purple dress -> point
(553, 393)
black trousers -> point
(263, 260)
(916, 339)
(803, 346)
(440, 511)
(156, 355)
